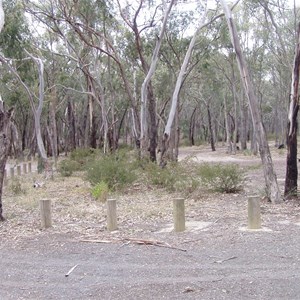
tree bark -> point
(210, 127)
(291, 177)
(4, 147)
(272, 189)
(71, 135)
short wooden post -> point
(5, 177)
(19, 170)
(29, 167)
(179, 214)
(12, 172)
(111, 214)
(25, 168)
(254, 218)
(45, 208)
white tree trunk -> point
(181, 75)
(151, 71)
(2, 18)
(272, 189)
(38, 111)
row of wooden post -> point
(254, 218)
(26, 169)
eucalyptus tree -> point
(79, 27)
(5, 117)
(291, 179)
(272, 189)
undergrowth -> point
(227, 178)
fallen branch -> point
(153, 243)
(127, 241)
(97, 241)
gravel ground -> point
(216, 258)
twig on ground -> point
(71, 270)
(226, 259)
(97, 241)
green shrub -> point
(222, 178)
(83, 157)
(116, 170)
(100, 191)
(16, 186)
(67, 167)
(173, 177)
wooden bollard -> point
(45, 209)
(12, 172)
(24, 168)
(254, 218)
(29, 167)
(111, 214)
(5, 177)
(19, 170)
(179, 214)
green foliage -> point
(222, 178)
(83, 157)
(100, 191)
(40, 165)
(116, 170)
(67, 167)
(16, 186)
(173, 177)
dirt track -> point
(221, 261)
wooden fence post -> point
(5, 177)
(111, 214)
(12, 172)
(179, 214)
(45, 208)
(25, 168)
(254, 219)
(19, 170)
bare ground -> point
(215, 258)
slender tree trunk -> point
(4, 147)
(272, 189)
(211, 131)
(177, 88)
(192, 127)
(228, 133)
(291, 177)
(71, 137)
(147, 94)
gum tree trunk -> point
(272, 189)
(291, 176)
(4, 146)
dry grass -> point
(141, 208)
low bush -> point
(116, 170)
(66, 167)
(83, 156)
(173, 177)
(227, 178)
(100, 191)
(16, 186)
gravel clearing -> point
(215, 258)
